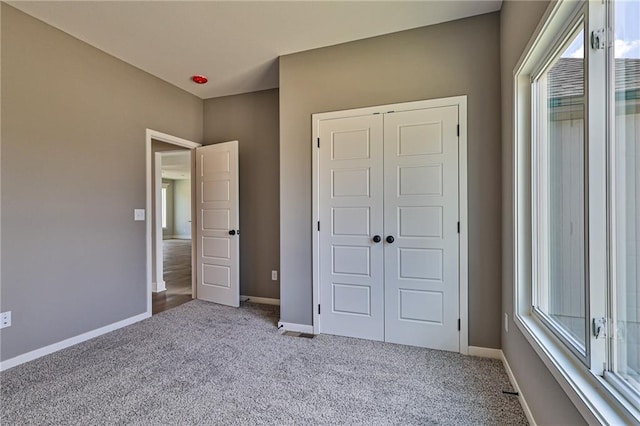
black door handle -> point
(390, 239)
(377, 239)
(232, 232)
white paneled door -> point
(350, 194)
(388, 234)
(217, 233)
(421, 217)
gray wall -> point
(73, 170)
(454, 58)
(168, 231)
(548, 403)
(252, 119)
(182, 208)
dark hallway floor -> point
(177, 276)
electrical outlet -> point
(506, 322)
(5, 319)
(274, 275)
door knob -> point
(232, 232)
(390, 239)
(377, 239)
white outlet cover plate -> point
(5, 319)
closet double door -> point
(388, 233)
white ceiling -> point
(236, 43)
(176, 165)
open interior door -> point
(217, 232)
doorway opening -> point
(214, 219)
(173, 285)
(170, 221)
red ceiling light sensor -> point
(199, 79)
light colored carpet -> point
(201, 364)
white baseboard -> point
(514, 383)
(485, 352)
(30, 356)
(498, 354)
(180, 237)
(298, 328)
(261, 300)
(158, 287)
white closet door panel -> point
(350, 200)
(421, 214)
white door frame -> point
(178, 142)
(461, 103)
(157, 236)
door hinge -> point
(318, 309)
(458, 129)
(318, 142)
(318, 225)
(458, 324)
(458, 227)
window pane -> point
(164, 207)
(560, 202)
(626, 209)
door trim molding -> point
(151, 135)
(461, 103)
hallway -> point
(177, 276)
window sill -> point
(595, 399)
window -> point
(577, 214)
(559, 194)
(624, 204)
(165, 186)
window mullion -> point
(596, 178)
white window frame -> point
(538, 132)
(595, 398)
